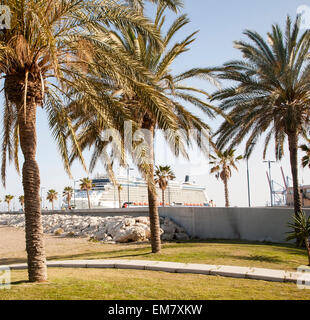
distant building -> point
(305, 196)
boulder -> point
(131, 234)
(58, 232)
(182, 236)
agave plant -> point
(300, 231)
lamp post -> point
(270, 182)
(74, 191)
(42, 199)
(248, 177)
(128, 169)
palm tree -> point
(172, 4)
(68, 194)
(52, 195)
(119, 189)
(53, 52)
(8, 198)
(222, 163)
(163, 110)
(300, 231)
(271, 94)
(86, 184)
(162, 176)
(22, 201)
(306, 158)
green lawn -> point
(142, 285)
(263, 255)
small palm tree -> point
(162, 176)
(86, 184)
(222, 163)
(22, 201)
(68, 194)
(119, 189)
(52, 195)
(300, 231)
(8, 198)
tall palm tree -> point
(86, 184)
(119, 189)
(222, 163)
(53, 52)
(52, 195)
(270, 95)
(22, 201)
(68, 191)
(8, 198)
(164, 110)
(162, 176)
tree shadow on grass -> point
(7, 261)
(20, 282)
(99, 255)
(260, 258)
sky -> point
(219, 23)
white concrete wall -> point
(256, 224)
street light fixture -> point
(248, 176)
(74, 191)
(42, 199)
(128, 169)
(270, 181)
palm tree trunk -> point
(88, 199)
(293, 147)
(8, 206)
(31, 184)
(163, 196)
(227, 204)
(308, 249)
(53, 205)
(151, 188)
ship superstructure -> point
(105, 194)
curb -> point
(175, 267)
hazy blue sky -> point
(220, 23)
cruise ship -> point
(104, 193)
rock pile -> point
(107, 229)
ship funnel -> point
(186, 178)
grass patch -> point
(99, 284)
(261, 255)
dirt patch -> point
(13, 246)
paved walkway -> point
(216, 270)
